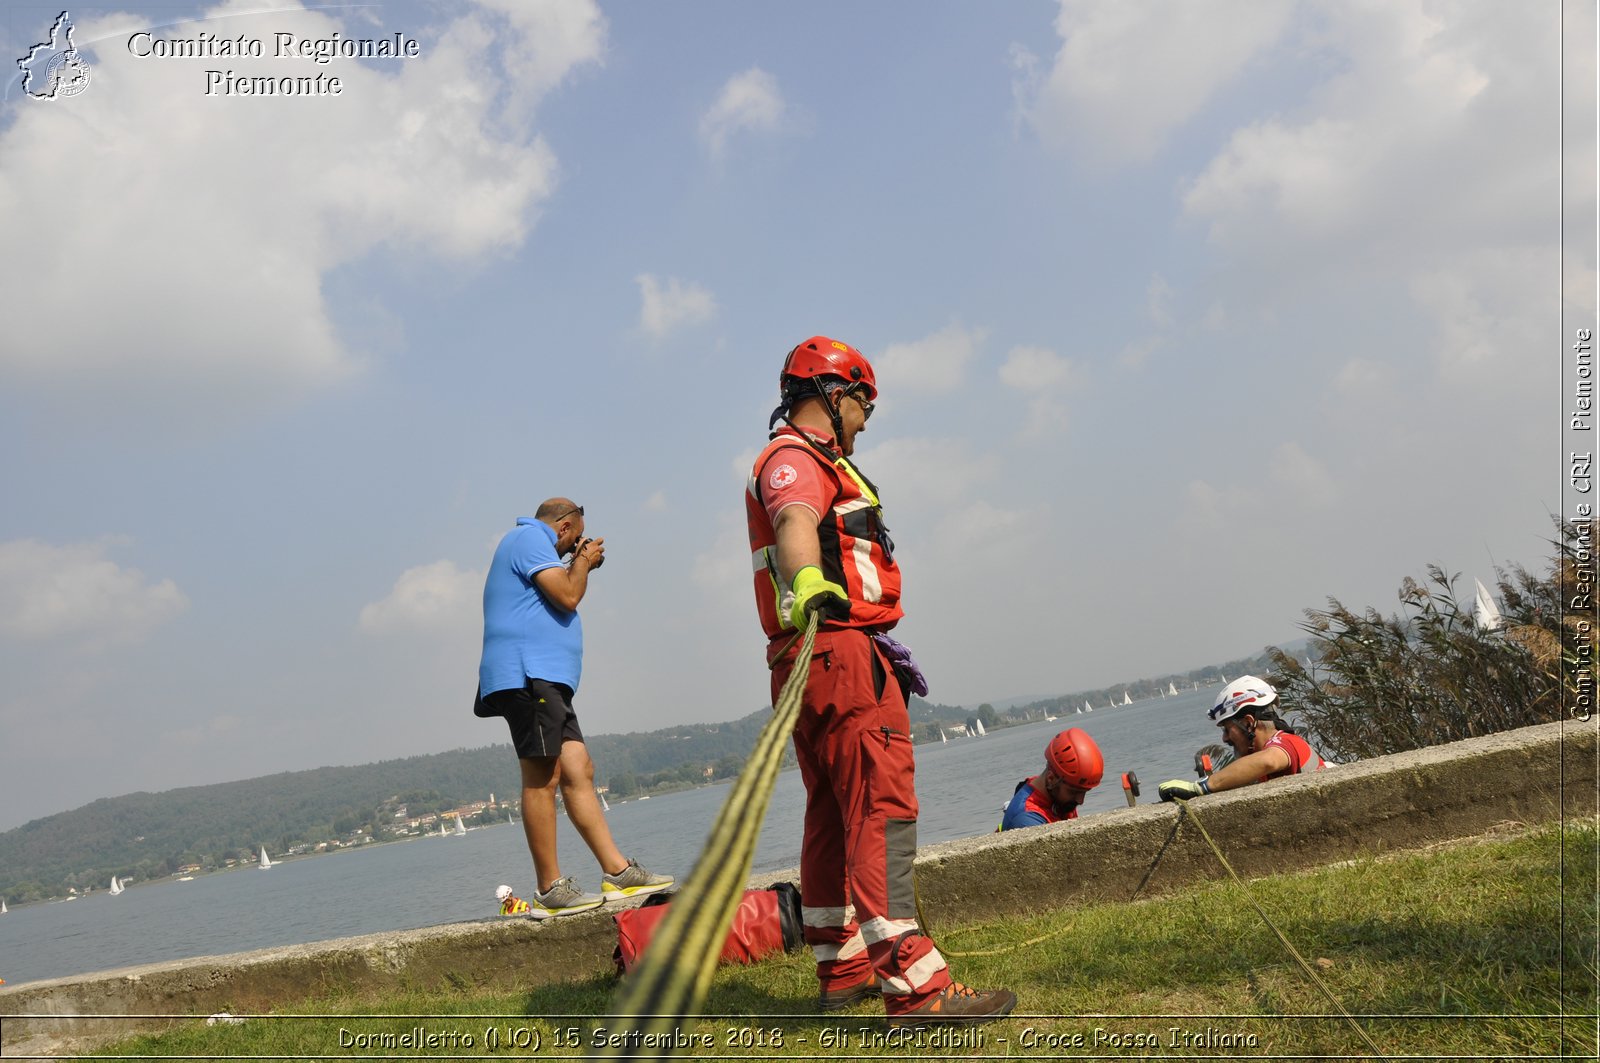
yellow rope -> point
(922, 920)
(1305, 968)
(675, 973)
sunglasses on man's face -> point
(866, 406)
(567, 513)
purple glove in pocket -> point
(904, 665)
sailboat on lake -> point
(116, 887)
(265, 861)
(461, 828)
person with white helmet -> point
(1264, 748)
(1073, 766)
(511, 904)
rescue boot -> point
(835, 999)
(958, 1005)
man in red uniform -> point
(1263, 748)
(1072, 767)
(818, 542)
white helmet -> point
(1246, 692)
(502, 893)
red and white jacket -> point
(857, 553)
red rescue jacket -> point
(856, 550)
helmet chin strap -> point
(782, 414)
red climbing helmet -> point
(1075, 759)
(821, 356)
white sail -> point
(116, 887)
(265, 861)
(1172, 691)
(605, 806)
(3, 908)
(942, 736)
(1126, 700)
(1086, 706)
(981, 731)
(461, 828)
(1485, 612)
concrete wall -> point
(1404, 801)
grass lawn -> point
(1478, 950)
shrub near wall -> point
(1382, 685)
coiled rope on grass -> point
(674, 975)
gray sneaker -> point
(564, 898)
(632, 881)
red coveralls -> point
(853, 738)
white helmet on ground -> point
(1245, 693)
(502, 893)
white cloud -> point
(1128, 74)
(1035, 369)
(928, 473)
(656, 503)
(1417, 169)
(1388, 155)
(750, 101)
(666, 307)
(1364, 378)
(180, 244)
(1044, 376)
(554, 38)
(426, 598)
(934, 364)
(53, 592)
(1302, 477)
(1487, 308)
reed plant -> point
(1380, 684)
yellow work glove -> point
(811, 592)
(1173, 789)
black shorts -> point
(540, 717)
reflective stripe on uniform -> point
(850, 949)
(881, 929)
(827, 917)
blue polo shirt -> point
(525, 637)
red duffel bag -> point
(767, 921)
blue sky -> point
(1186, 316)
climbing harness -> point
(675, 973)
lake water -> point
(961, 786)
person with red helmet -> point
(818, 542)
(1263, 746)
(1072, 767)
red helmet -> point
(820, 356)
(1075, 759)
